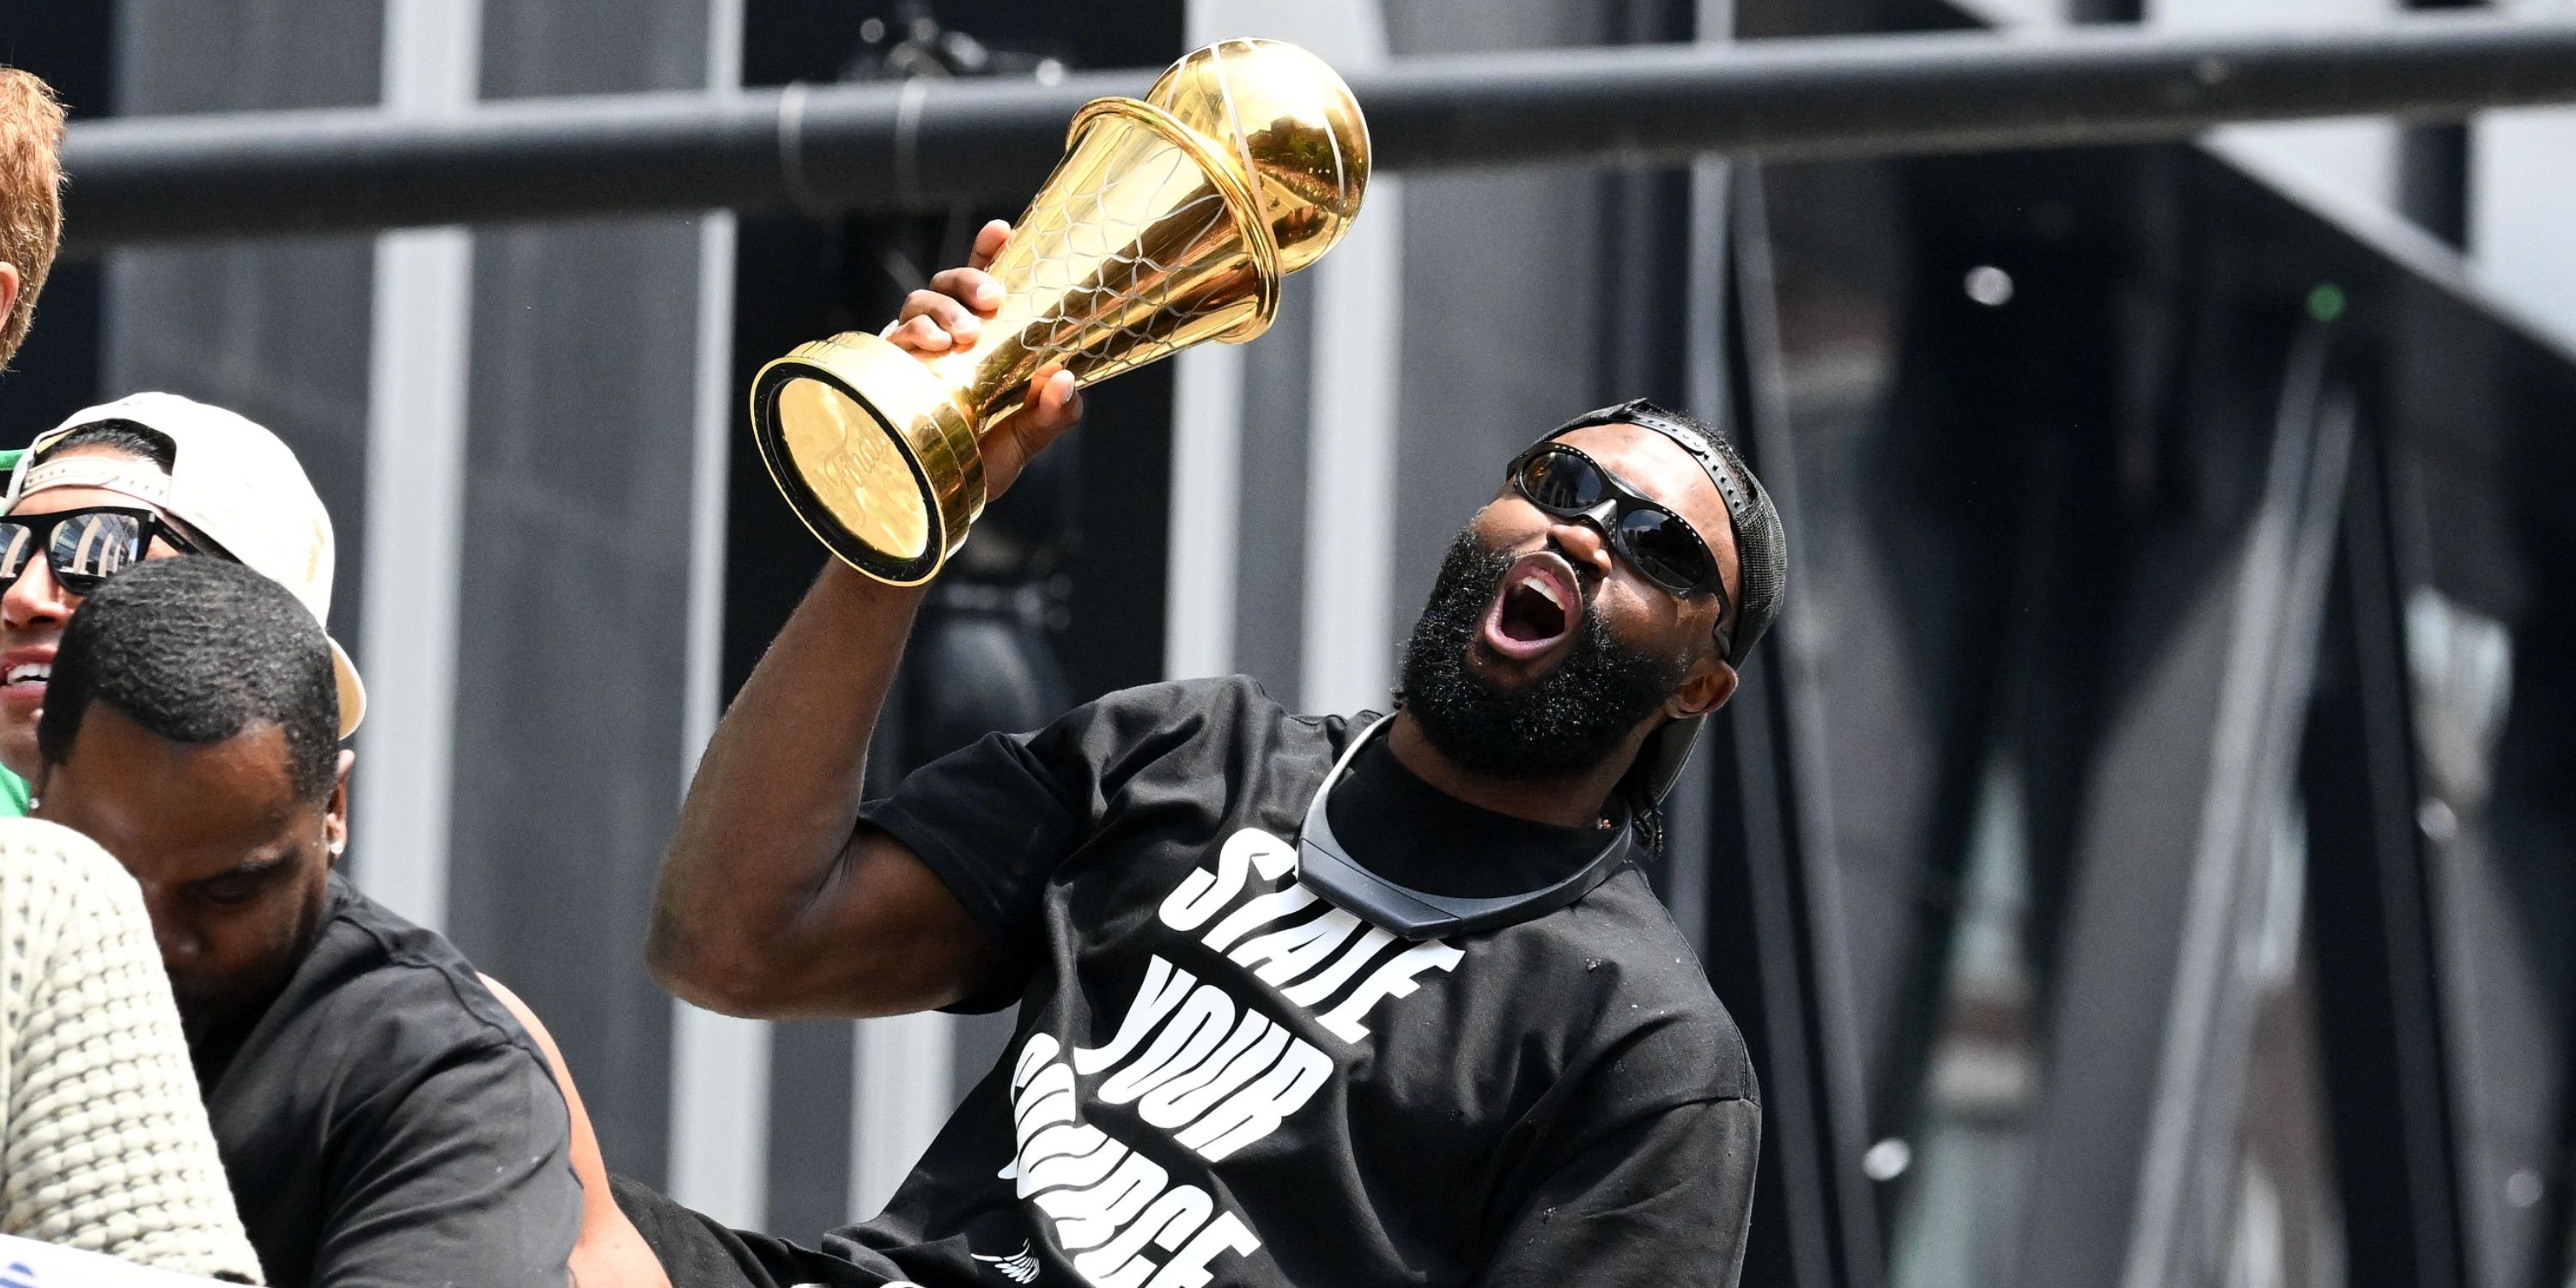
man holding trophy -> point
(1302, 1001)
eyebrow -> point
(251, 869)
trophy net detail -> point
(1140, 256)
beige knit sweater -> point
(104, 1143)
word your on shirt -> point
(1201, 1064)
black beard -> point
(1563, 723)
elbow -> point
(698, 969)
(697, 944)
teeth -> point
(1546, 590)
(25, 671)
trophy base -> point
(873, 452)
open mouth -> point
(26, 680)
(1536, 609)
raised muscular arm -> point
(772, 900)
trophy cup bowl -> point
(1170, 221)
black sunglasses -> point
(1655, 541)
(85, 546)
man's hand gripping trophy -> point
(950, 314)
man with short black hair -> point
(1374, 999)
(384, 1120)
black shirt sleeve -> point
(1641, 1160)
(995, 819)
(466, 1180)
(1665, 1199)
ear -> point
(1710, 683)
(9, 283)
(335, 816)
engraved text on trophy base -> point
(854, 468)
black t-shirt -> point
(387, 1124)
(1219, 1079)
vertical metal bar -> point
(1207, 512)
(2379, 1000)
(1348, 655)
(711, 454)
(2263, 695)
(416, 490)
(1690, 823)
(902, 1085)
(1812, 1093)
(1799, 1150)
(812, 1066)
(2433, 180)
(1346, 647)
(1206, 532)
(719, 1128)
(2433, 164)
(1706, 335)
(2422, 1068)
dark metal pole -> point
(2433, 164)
(929, 143)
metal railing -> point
(931, 143)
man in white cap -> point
(144, 477)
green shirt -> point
(14, 799)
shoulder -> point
(1231, 706)
(1183, 705)
(1655, 1029)
(403, 998)
(1214, 718)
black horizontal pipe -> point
(931, 143)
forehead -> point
(201, 808)
(1665, 472)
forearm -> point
(767, 901)
(776, 796)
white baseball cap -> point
(230, 481)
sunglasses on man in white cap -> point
(235, 489)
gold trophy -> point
(1170, 221)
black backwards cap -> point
(1761, 556)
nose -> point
(35, 597)
(178, 944)
(1581, 541)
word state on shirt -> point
(1200, 1065)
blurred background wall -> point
(2142, 856)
